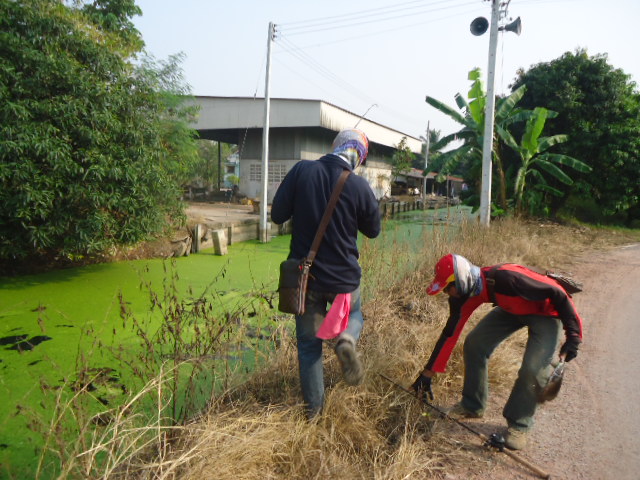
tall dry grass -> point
(375, 431)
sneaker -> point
(351, 366)
(458, 411)
(515, 439)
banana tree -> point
(472, 132)
(532, 151)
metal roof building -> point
(298, 130)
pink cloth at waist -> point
(337, 318)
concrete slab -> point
(220, 215)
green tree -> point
(599, 109)
(535, 160)
(114, 17)
(402, 159)
(467, 157)
(81, 143)
(176, 113)
(206, 169)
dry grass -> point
(374, 431)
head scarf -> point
(467, 276)
(352, 145)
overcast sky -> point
(377, 55)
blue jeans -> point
(544, 334)
(310, 346)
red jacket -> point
(519, 291)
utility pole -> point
(487, 144)
(426, 163)
(264, 226)
(219, 167)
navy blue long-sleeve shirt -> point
(303, 196)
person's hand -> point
(422, 387)
(570, 348)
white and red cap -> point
(445, 274)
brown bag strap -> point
(326, 217)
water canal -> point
(48, 322)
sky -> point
(378, 56)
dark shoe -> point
(351, 366)
(458, 411)
(515, 439)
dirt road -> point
(592, 430)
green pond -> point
(48, 321)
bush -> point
(81, 148)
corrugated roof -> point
(224, 113)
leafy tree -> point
(81, 143)
(599, 109)
(402, 159)
(467, 157)
(206, 169)
(535, 159)
(176, 114)
(114, 17)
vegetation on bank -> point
(565, 142)
(95, 136)
(254, 427)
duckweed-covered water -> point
(49, 321)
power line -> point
(361, 19)
(328, 74)
(393, 29)
(301, 55)
(383, 12)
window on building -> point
(255, 172)
(277, 173)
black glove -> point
(570, 348)
(422, 386)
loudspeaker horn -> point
(515, 26)
(479, 26)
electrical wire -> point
(327, 73)
(331, 18)
(393, 14)
(359, 21)
(382, 12)
(374, 33)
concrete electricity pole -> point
(487, 143)
(264, 225)
(426, 163)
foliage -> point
(599, 109)
(467, 157)
(432, 138)
(401, 162)
(206, 170)
(114, 17)
(84, 147)
(175, 115)
(534, 157)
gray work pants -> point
(544, 334)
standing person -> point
(522, 298)
(335, 274)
